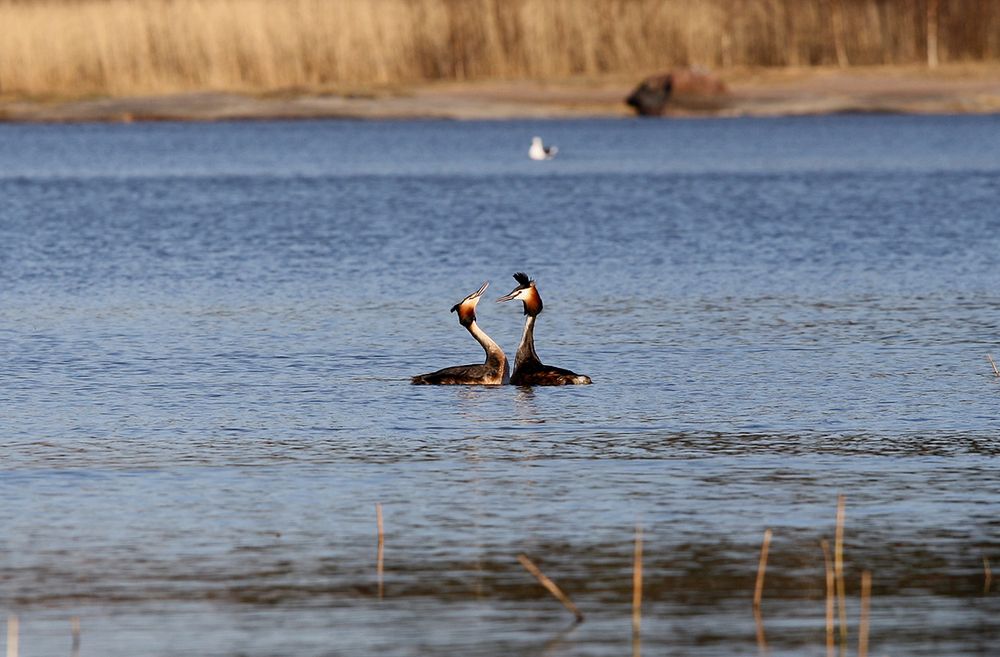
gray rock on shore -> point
(682, 89)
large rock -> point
(681, 90)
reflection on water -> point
(208, 331)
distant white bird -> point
(540, 152)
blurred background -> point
(77, 48)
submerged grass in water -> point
(608, 580)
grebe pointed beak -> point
(478, 293)
(508, 297)
(474, 297)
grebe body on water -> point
(528, 368)
(493, 372)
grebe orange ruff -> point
(493, 372)
(528, 369)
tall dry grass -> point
(80, 47)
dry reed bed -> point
(74, 48)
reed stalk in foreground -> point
(996, 372)
(12, 636)
(758, 620)
(74, 625)
(381, 546)
(838, 566)
(758, 591)
(550, 586)
(866, 592)
(758, 594)
(636, 591)
(828, 568)
(987, 575)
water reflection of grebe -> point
(494, 371)
(528, 368)
(527, 408)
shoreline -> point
(952, 89)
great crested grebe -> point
(539, 151)
(491, 373)
(528, 369)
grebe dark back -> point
(528, 368)
(494, 371)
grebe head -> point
(466, 308)
(536, 140)
(527, 293)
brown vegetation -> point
(73, 48)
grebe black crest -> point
(528, 368)
(494, 371)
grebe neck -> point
(526, 350)
(492, 349)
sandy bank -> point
(781, 92)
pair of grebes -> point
(528, 369)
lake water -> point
(207, 333)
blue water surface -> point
(207, 333)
